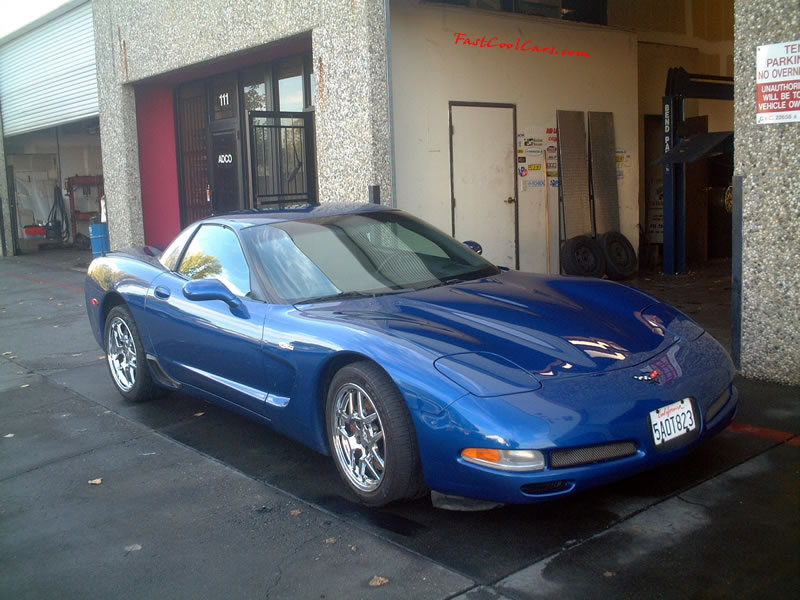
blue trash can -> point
(98, 234)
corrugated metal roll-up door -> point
(48, 75)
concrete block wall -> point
(6, 249)
(136, 41)
(767, 157)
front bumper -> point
(587, 413)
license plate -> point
(672, 421)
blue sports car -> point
(369, 335)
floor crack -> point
(682, 499)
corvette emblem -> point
(651, 377)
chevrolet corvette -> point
(371, 336)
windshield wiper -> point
(464, 278)
(443, 282)
(352, 295)
(338, 296)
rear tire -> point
(125, 356)
(371, 436)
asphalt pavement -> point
(175, 498)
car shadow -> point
(500, 541)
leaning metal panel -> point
(602, 154)
(573, 172)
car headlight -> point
(505, 460)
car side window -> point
(215, 253)
(169, 258)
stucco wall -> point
(136, 41)
(767, 157)
(155, 108)
(429, 70)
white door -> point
(484, 180)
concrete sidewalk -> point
(164, 521)
(192, 502)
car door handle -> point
(162, 292)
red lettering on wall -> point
(526, 46)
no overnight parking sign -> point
(778, 83)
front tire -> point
(125, 356)
(371, 436)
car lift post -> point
(682, 85)
(674, 192)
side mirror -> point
(198, 290)
(474, 246)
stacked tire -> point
(610, 254)
(621, 262)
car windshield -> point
(358, 254)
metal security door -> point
(225, 168)
(193, 153)
(483, 179)
(224, 172)
(282, 158)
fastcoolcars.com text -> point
(526, 46)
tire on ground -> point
(125, 356)
(582, 255)
(400, 478)
(621, 262)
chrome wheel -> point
(358, 440)
(121, 354)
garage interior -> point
(57, 184)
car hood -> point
(548, 326)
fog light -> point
(505, 460)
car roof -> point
(253, 216)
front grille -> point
(546, 487)
(720, 402)
(573, 457)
